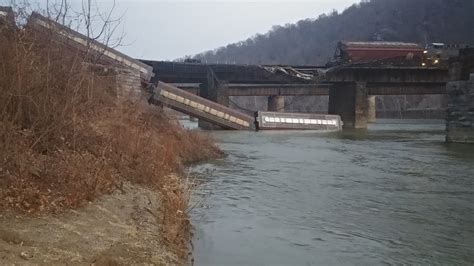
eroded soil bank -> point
(121, 228)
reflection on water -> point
(393, 194)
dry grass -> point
(65, 137)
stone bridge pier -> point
(354, 88)
(351, 101)
(460, 112)
(276, 103)
(460, 90)
(372, 113)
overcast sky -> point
(169, 29)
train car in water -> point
(297, 121)
(228, 118)
(201, 108)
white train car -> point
(297, 121)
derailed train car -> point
(201, 108)
(297, 121)
(227, 118)
(96, 51)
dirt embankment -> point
(121, 228)
(86, 174)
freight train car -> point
(297, 121)
(97, 51)
(357, 52)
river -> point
(394, 194)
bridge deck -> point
(320, 89)
(276, 80)
(264, 89)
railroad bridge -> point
(351, 89)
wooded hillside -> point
(313, 41)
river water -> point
(394, 194)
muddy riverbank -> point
(122, 228)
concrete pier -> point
(349, 100)
(460, 91)
(276, 103)
(460, 113)
(372, 113)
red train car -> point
(354, 52)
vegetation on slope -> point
(66, 137)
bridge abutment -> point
(350, 101)
(276, 103)
(372, 113)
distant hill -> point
(313, 41)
